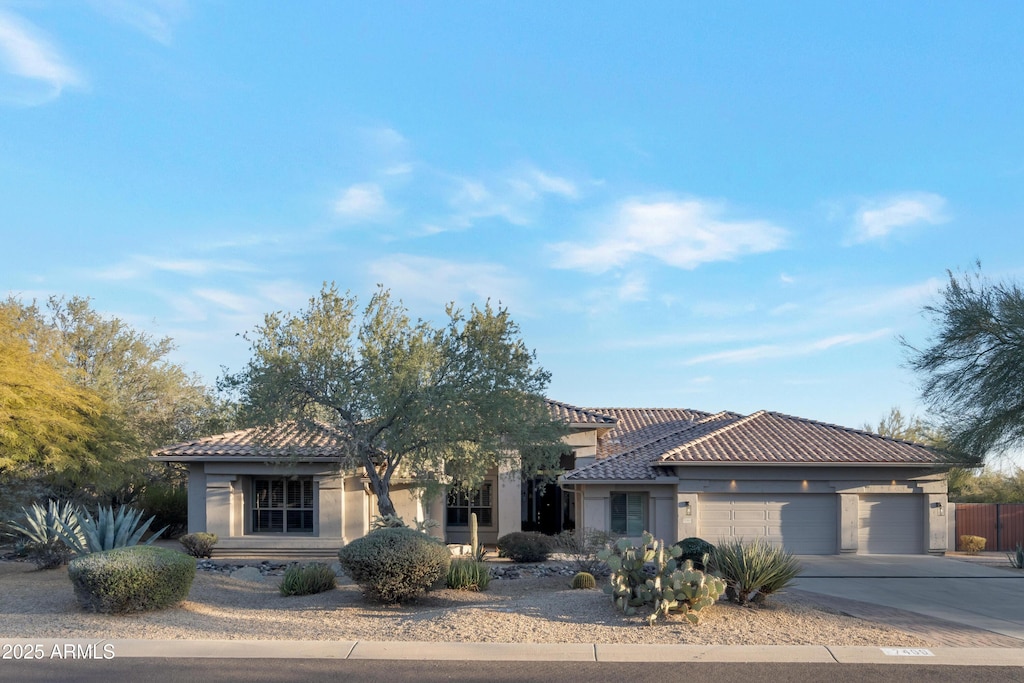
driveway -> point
(988, 598)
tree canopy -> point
(439, 404)
(86, 398)
(973, 368)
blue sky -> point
(714, 206)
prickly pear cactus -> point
(647, 575)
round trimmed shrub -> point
(525, 546)
(696, 550)
(134, 579)
(395, 564)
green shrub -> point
(468, 574)
(583, 547)
(168, 505)
(41, 532)
(135, 579)
(647, 576)
(696, 550)
(972, 545)
(525, 546)
(107, 530)
(199, 544)
(395, 564)
(584, 580)
(307, 579)
(753, 571)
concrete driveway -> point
(988, 598)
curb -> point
(100, 649)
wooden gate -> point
(1000, 524)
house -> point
(814, 487)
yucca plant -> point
(307, 579)
(1016, 558)
(753, 571)
(42, 532)
(106, 531)
(468, 574)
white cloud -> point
(437, 281)
(770, 351)
(877, 219)
(362, 202)
(229, 300)
(680, 233)
(144, 266)
(26, 55)
(154, 18)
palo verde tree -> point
(973, 369)
(438, 404)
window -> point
(629, 513)
(282, 505)
(462, 503)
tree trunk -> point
(381, 488)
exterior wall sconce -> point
(940, 509)
(687, 508)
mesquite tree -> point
(437, 404)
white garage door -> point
(891, 524)
(805, 524)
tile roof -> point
(635, 426)
(286, 440)
(641, 462)
(761, 438)
(578, 416)
(767, 437)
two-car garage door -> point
(805, 524)
(808, 524)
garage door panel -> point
(802, 523)
(891, 524)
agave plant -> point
(107, 530)
(42, 532)
(753, 571)
(1016, 557)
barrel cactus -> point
(584, 580)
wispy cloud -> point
(515, 196)
(143, 266)
(877, 219)
(362, 202)
(40, 73)
(436, 281)
(680, 233)
(154, 18)
(772, 351)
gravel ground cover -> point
(529, 609)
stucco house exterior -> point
(813, 487)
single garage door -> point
(891, 524)
(805, 524)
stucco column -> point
(510, 493)
(849, 522)
(685, 506)
(220, 514)
(330, 504)
(936, 516)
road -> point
(382, 671)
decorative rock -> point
(247, 574)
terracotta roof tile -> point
(767, 437)
(287, 440)
(580, 416)
(761, 438)
(636, 426)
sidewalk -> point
(279, 649)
